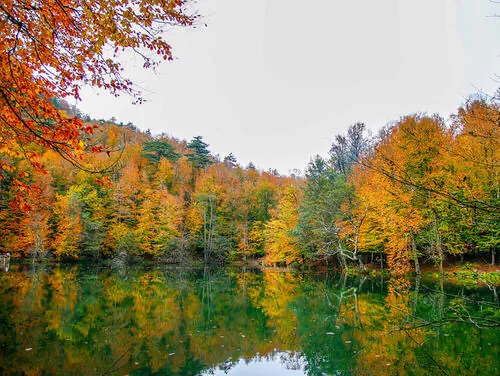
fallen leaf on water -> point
(29, 349)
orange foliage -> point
(48, 49)
(389, 186)
(281, 246)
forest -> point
(130, 244)
(422, 190)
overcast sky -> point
(274, 81)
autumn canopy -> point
(50, 48)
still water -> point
(131, 320)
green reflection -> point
(177, 321)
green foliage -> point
(159, 148)
(329, 200)
(199, 155)
(470, 277)
(491, 278)
(80, 319)
(320, 208)
(421, 190)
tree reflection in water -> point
(177, 321)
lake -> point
(135, 320)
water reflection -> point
(275, 363)
(177, 321)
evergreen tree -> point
(230, 160)
(156, 149)
(199, 155)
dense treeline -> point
(420, 190)
(166, 198)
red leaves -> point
(96, 149)
(24, 196)
(48, 50)
(104, 182)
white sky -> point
(273, 81)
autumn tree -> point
(125, 192)
(160, 216)
(26, 232)
(68, 239)
(280, 244)
(397, 192)
(93, 200)
(476, 184)
(201, 215)
(49, 49)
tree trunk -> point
(493, 251)
(439, 248)
(361, 265)
(417, 289)
(415, 256)
(342, 261)
(205, 245)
